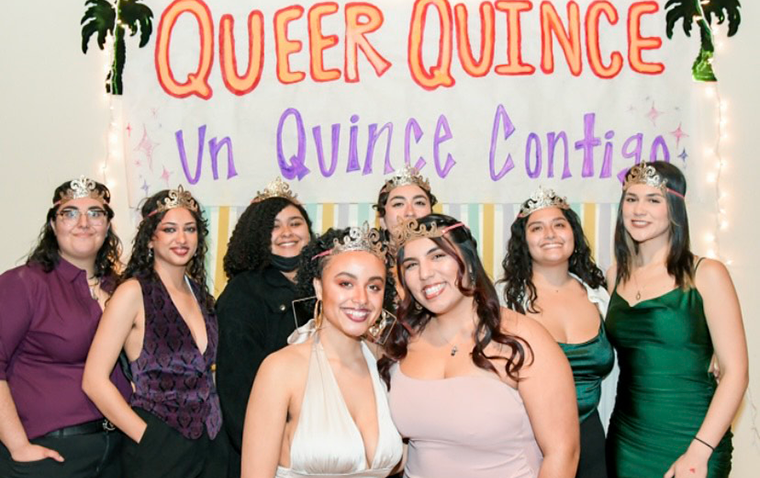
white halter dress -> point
(327, 442)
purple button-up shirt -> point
(47, 323)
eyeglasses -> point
(95, 217)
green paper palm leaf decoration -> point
(689, 12)
(104, 18)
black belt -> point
(95, 426)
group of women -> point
(365, 352)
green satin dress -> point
(664, 351)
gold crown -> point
(276, 189)
(411, 229)
(407, 175)
(540, 199)
(364, 238)
(177, 198)
(644, 173)
(83, 187)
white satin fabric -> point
(327, 442)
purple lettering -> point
(500, 117)
(294, 166)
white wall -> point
(54, 120)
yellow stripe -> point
(487, 235)
(589, 225)
(438, 208)
(328, 216)
(223, 228)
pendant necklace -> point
(454, 347)
(638, 290)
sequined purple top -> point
(173, 380)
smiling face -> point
(80, 228)
(176, 238)
(549, 237)
(645, 213)
(352, 288)
(431, 276)
(290, 232)
(405, 202)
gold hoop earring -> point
(318, 317)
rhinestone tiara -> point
(177, 198)
(540, 199)
(83, 187)
(645, 173)
(411, 229)
(364, 238)
(276, 189)
(407, 175)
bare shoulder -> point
(611, 276)
(710, 273)
(287, 365)
(528, 330)
(128, 290)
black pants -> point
(95, 455)
(592, 462)
(164, 453)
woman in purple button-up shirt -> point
(50, 310)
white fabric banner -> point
(487, 99)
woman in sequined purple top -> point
(162, 316)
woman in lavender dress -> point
(162, 317)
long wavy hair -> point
(517, 265)
(311, 266)
(141, 262)
(46, 253)
(680, 262)
(250, 245)
(459, 244)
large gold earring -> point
(318, 317)
(379, 331)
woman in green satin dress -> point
(550, 275)
(669, 313)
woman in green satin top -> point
(669, 313)
(550, 276)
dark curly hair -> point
(141, 261)
(250, 245)
(46, 253)
(310, 269)
(519, 289)
(460, 245)
(382, 200)
(680, 260)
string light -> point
(114, 142)
(713, 154)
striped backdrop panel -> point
(489, 222)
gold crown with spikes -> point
(364, 238)
(276, 189)
(407, 175)
(83, 187)
(177, 198)
(540, 199)
(645, 173)
(411, 229)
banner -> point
(487, 99)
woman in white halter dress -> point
(318, 406)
